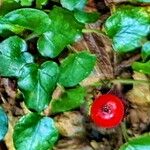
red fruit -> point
(107, 111)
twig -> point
(127, 81)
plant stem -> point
(98, 32)
(124, 131)
(31, 36)
(127, 81)
(130, 81)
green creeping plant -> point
(138, 143)
(35, 132)
(129, 28)
(52, 30)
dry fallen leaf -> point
(101, 46)
(8, 138)
(90, 80)
(73, 144)
(115, 1)
(139, 118)
(70, 124)
(140, 94)
(9, 86)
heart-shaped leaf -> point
(38, 83)
(146, 51)
(13, 56)
(86, 17)
(3, 123)
(73, 4)
(51, 43)
(139, 143)
(128, 27)
(34, 132)
(27, 18)
(75, 68)
(70, 99)
(142, 67)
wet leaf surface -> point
(53, 30)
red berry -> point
(107, 111)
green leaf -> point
(7, 6)
(86, 17)
(40, 3)
(70, 99)
(26, 2)
(13, 56)
(142, 67)
(75, 68)
(73, 4)
(139, 143)
(28, 18)
(7, 29)
(64, 30)
(38, 83)
(146, 51)
(3, 123)
(128, 27)
(34, 132)
(51, 44)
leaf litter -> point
(76, 129)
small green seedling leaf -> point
(128, 27)
(37, 84)
(86, 17)
(3, 124)
(73, 4)
(40, 3)
(138, 143)
(142, 67)
(146, 51)
(26, 2)
(70, 99)
(75, 68)
(28, 18)
(13, 56)
(34, 132)
(64, 30)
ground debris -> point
(139, 120)
(70, 124)
(8, 97)
(73, 144)
(140, 94)
(100, 45)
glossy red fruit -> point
(107, 111)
